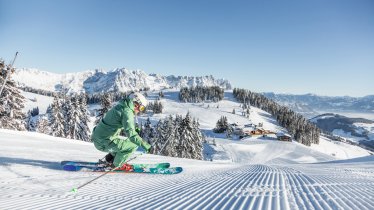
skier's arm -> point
(129, 129)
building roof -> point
(280, 134)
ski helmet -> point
(139, 98)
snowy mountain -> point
(119, 79)
(357, 130)
(310, 104)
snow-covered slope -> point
(251, 173)
(263, 175)
(208, 114)
(33, 100)
(119, 79)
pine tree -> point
(67, 109)
(186, 140)
(11, 103)
(30, 122)
(165, 137)
(56, 118)
(221, 125)
(106, 103)
(82, 127)
(198, 138)
(179, 137)
(148, 132)
(229, 131)
(42, 126)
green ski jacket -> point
(120, 117)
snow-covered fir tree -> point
(165, 140)
(11, 103)
(156, 107)
(221, 125)
(229, 131)
(74, 110)
(34, 111)
(42, 126)
(56, 118)
(178, 137)
(147, 131)
(83, 131)
(30, 122)
(201, 94)
(106, 103)
(190, 139)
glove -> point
(138, 129)
(148, 149)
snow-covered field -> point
(252, 173)
(260, 175)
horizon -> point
(319, 47)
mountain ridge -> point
(309, 104)
(354, 129)
(119, 79)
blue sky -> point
(324, 47)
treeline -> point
(175, 136)
(90, 98)
(300, 128)
(113, 96)
(201, 94)
(156, 107)
(66, 117)
(38, 91)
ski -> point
(133, 168)
(96, 164)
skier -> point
(121, 117)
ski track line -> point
(308, 196)
(234, 184)
(345, 197)
(302, 202)
(220, 186)
(165, 192)
(241, 201)
(198, 196)
(236, 189)
(330, 189)
(353, 190)
(213, 204)
(187, 184)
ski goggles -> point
(140, 107)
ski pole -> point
(163, 147)
(96, 178)
(8, 73)
(159, 152)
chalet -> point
(248, 125)
(259, 131)
(283, 137)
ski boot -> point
(107, 162)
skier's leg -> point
(121, 148)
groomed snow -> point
(260, 175)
